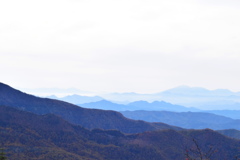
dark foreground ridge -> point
(27, 136)
(88, 118)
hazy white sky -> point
(129, 45)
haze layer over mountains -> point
(200, 98)
(165, 112)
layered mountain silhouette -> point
(156, 106)
(27, 136)
(201, 98)
(137, 105)
(189, 120)
(160, 105)
(89, 118)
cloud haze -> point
(141, 46)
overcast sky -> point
(140, 46)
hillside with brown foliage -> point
(26, 136)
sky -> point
(143, 46)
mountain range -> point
(88, 118)
(27, 136)
(200, 98)
(45, 129)
(149, 111)
(137, 105)
(156, 106)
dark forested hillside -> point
(26, 136)
(89, 118)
